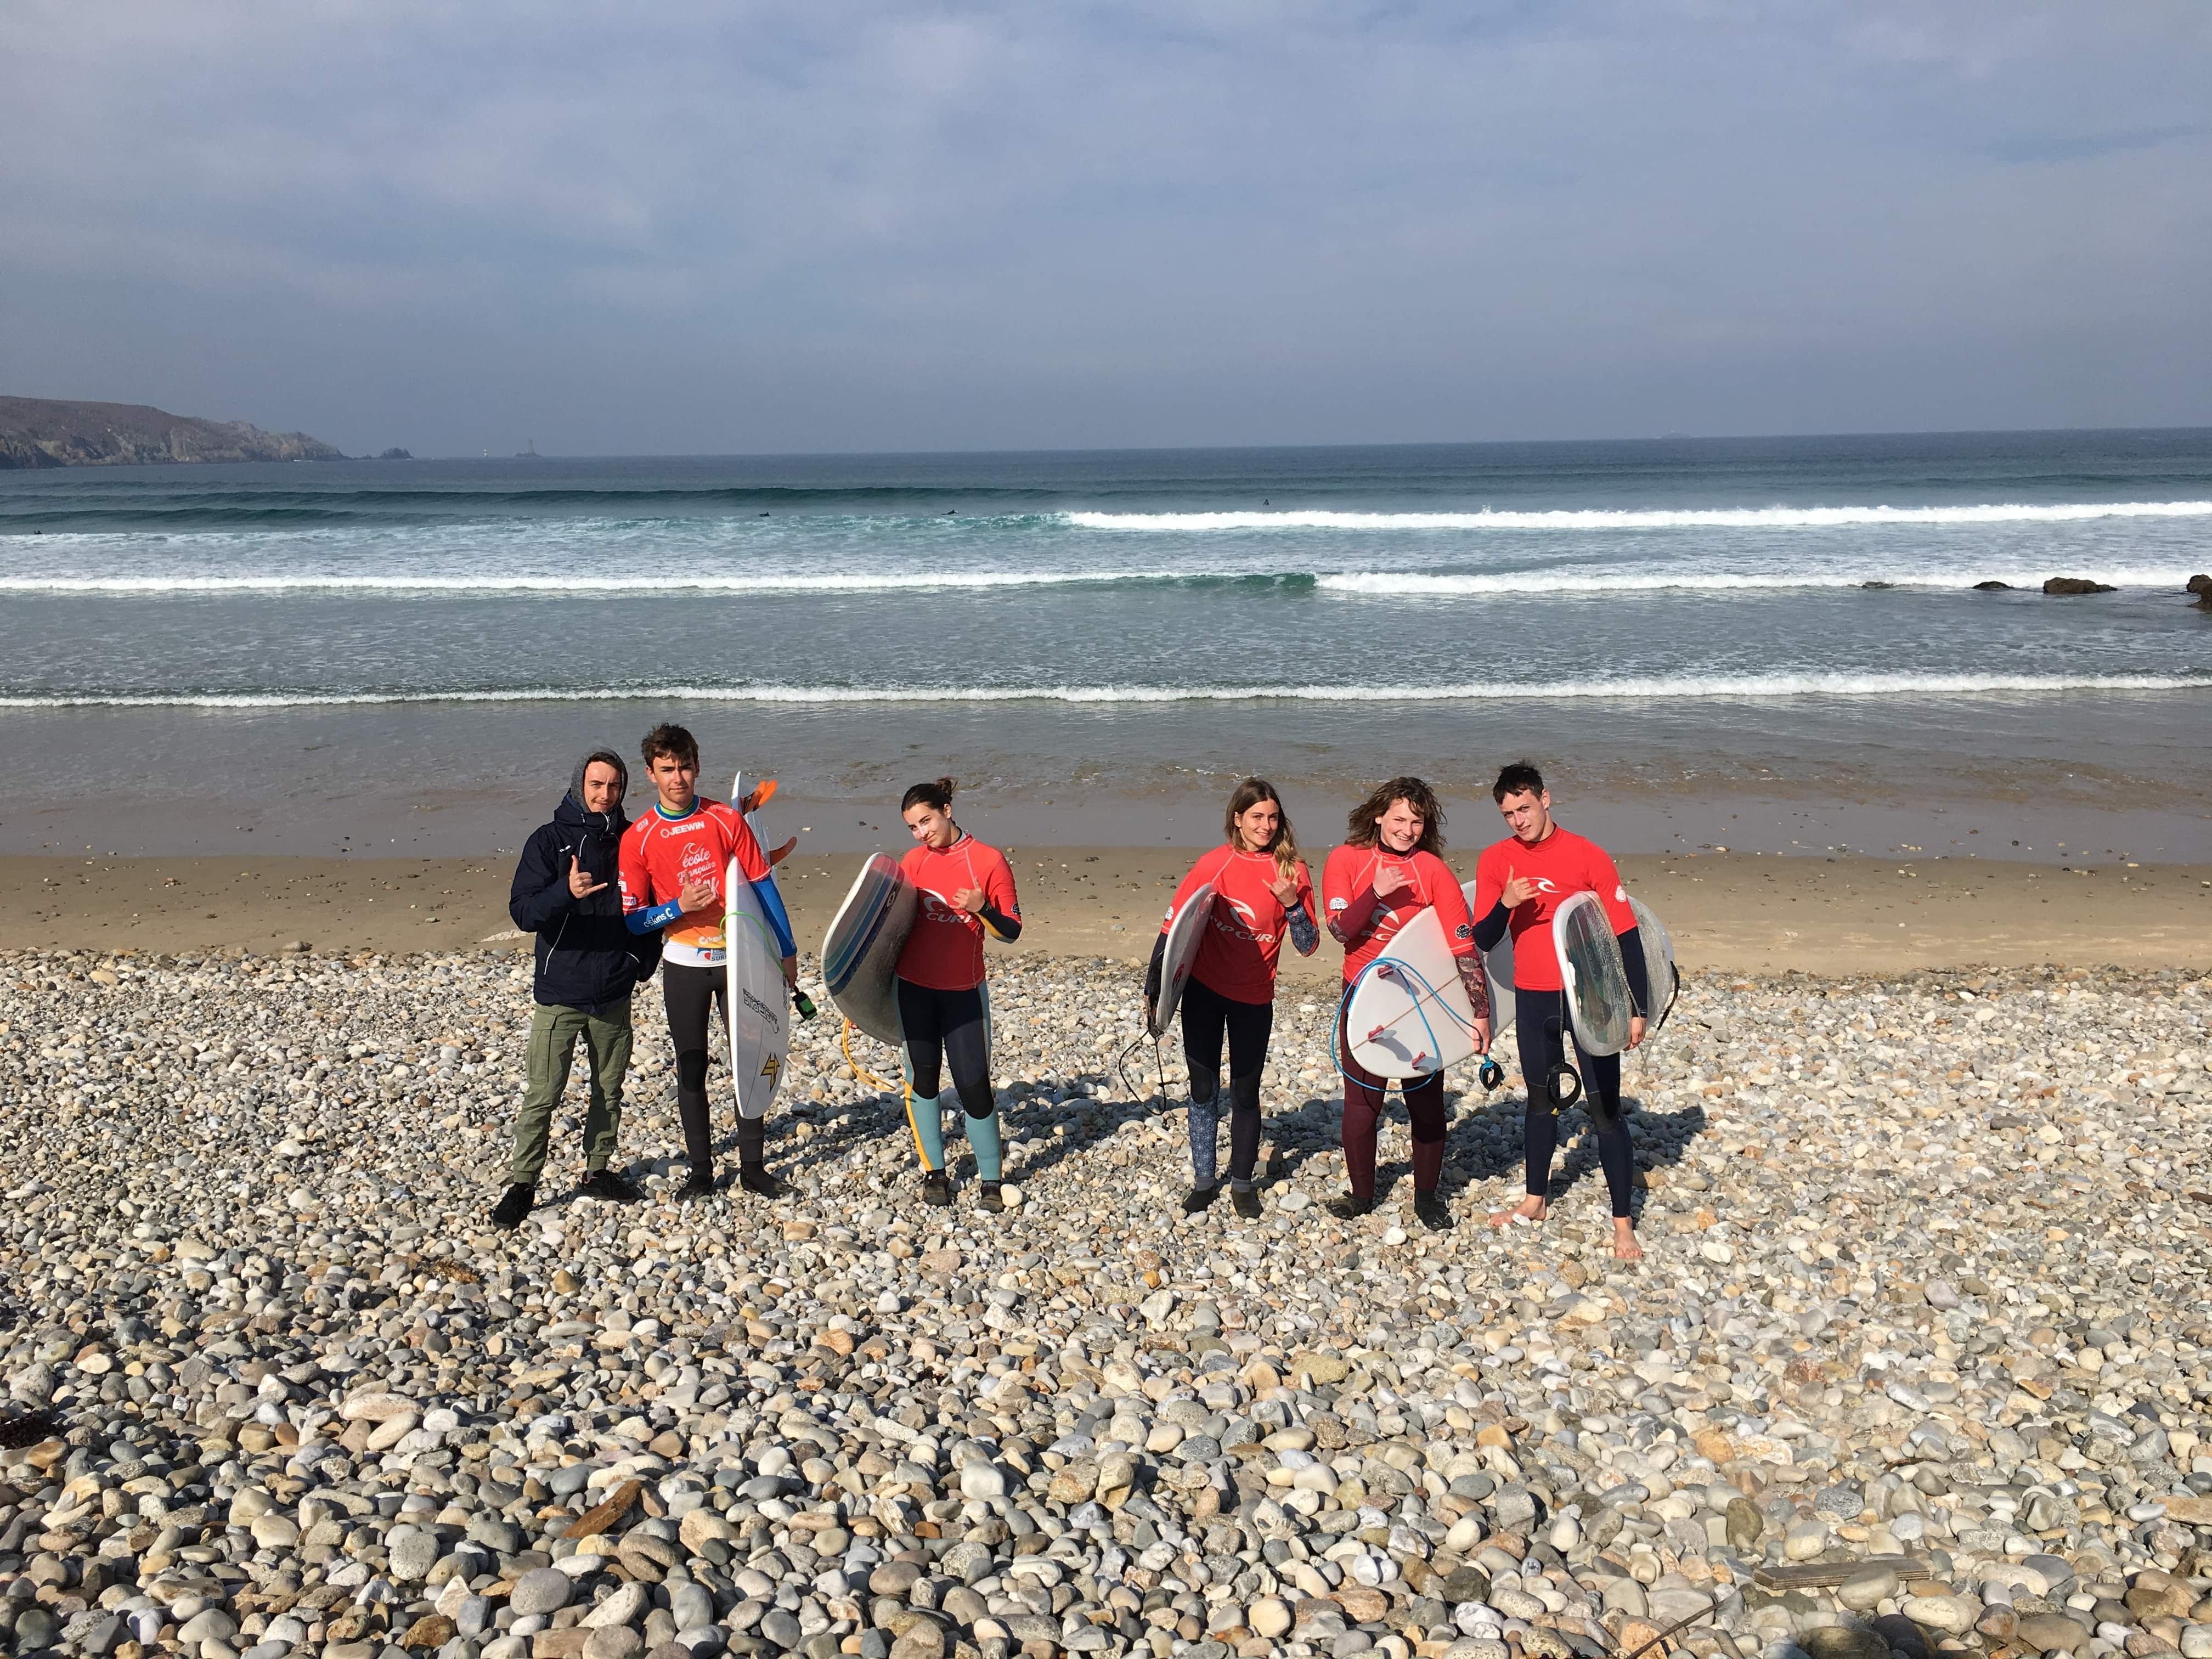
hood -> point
(570, 814)
(610, 823)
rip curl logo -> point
(1620, 896)
(1545, 884)
(1242, 924)
(935, 907)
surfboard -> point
(860, 953)
(1185, 934)
(1409, 1015)
(1664, 978)
(755, 998)
(1497, 974)
(1595, 981)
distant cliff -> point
(55, 431)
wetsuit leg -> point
(1537, 1017)
(1424, 1108)
(967, 1022)
(1205, 1018)
(1546, 1036)
(1363, 1110)
(688, 993)
(1249, 1026)
(923, 1059)
(1602, 1076)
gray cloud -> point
(775, 226)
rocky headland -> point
(44, 432)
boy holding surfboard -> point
(1521, 883)
(672, 867)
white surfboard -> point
(1185, 934)
(1662, 977)
(1596, 983)
(860, 953)
(1409, 1015)
(756, 1000)
(1497, 973)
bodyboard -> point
(860, 953)
(1186, 932)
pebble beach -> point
(1917, 1361)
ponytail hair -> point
(1284, 845)
(936, 794)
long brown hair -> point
(1249, 793)
(1360, 828)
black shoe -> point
(936, 1188)
(513, 1204)
(756, 1180)
(1349, 1207)
(605, 1184)
(1433, 1212)
(988, 1198)
(700, 1185)
(1245, 1200)
(1200, 1198)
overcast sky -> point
(708, 226)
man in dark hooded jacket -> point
(588, 962)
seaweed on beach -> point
(22, 1429)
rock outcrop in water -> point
(2067, 587)
(41, 432)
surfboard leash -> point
(845, 1041)
(1490, 1073)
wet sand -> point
(1728, 913)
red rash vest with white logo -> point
(661, 855)
(1561, 865)
(1347, 881)
(945, 951)
(1243, 938)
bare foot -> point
(1528, 1209)
(1624, 1247)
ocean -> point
(1783, 620)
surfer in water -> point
(673, 865)
(1262, 891)
(1521, 883)
(966, 892)
(1390, 869)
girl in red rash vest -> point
(966, 892)
(1262, 891)
(1387, 871)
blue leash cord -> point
(1337, 1052)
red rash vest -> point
(1243, 938)
(1561, 865)
(661, 855)
(944, 952)
(1347, 886)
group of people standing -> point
(610, 901)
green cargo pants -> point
(553, 1034)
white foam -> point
(1394, 583)
(1759, 518)
(310, 582)
(1662, 687)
